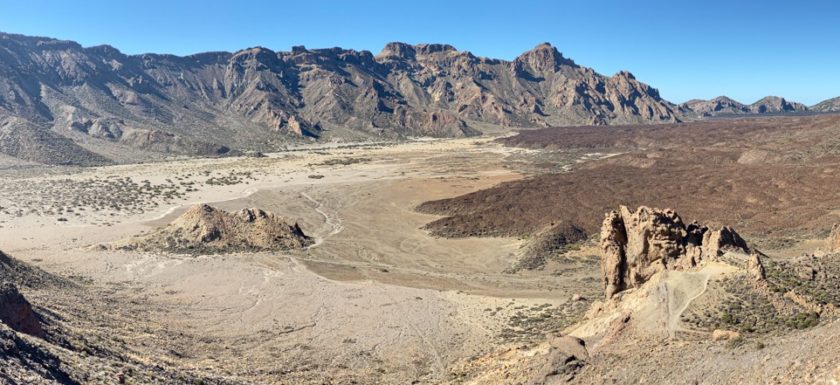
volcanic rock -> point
(17, 313)
(637, 245)
(203, 228)
(833, 241)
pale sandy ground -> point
(376, 298)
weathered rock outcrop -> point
(17, 313)
(832, 244)
(637, 245)
(203, 228)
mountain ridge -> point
(215, 103)
(63, 103)
(724, 105)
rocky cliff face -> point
(638, 244)
(89, 98)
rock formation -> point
(637, 245)
(833, 242)
(17, 313)
(756, 268)
(57, 94)
(203, 228)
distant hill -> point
(718, 105)
(61, 103)
(775, 104)
(723, 105)
(830, 105)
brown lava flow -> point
(769, 177)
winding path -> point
(331, 221)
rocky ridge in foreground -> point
(638, 244)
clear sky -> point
(687, 49)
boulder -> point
(571, 346)
(635, 245)
(566, 356)
(17, 313)
(724, 335)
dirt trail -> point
(332, 222)
(691, 291)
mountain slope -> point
(718, 105)
(257, 99)
(830, 105)
(775, 104)
(723, 105)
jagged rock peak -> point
(544, 57)
(407, 51)
(397, 50)
(626, 75)
(635, 245)
(428, 49)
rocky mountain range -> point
(62, 103)
(723, 105)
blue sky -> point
(687, 49)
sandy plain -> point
(375, 299)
